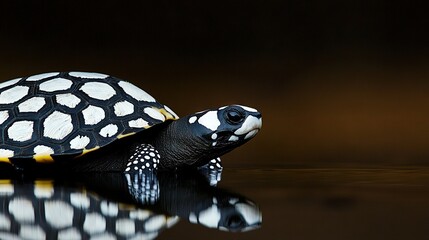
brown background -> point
(338, 82)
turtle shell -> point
(71, 113)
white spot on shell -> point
(79, 200)
(123, 108)
(6, 153)
(4, 222)
(192, 119)
(91, 75)
(251, 123)
(22, 209)
(43, 150)
(109, 130)
(33, 104)
(70, 233)
(94, 223)
(210, 120)
(98, 90)
(9, 83)
(140, 214)
(68, 100)
(31, 232)
(6, 189)
(109, 236)
(57, 125)
(44, 191)
(172, 220)
(155, 223)
(4, 115)
(136, 92)
(79, 142)
(153, 113)
(56, 84)
(125, 227)
(58, 214)
(41, 76)
(93, 115)
(138, 123)
(21, 131)
(13, 94)
(109, 208)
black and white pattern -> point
(235, 214)
(42, 211)
(144, 159)
(229, 124)
(53, 209)
(212, 171)
(143, 187)
(70, 112)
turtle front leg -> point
(141, 174)
(214, 164)
(144, 159)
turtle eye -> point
(233, 116)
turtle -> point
(88, 121)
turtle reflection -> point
(117, 206)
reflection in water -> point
(117, 206)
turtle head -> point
(196, 139)
(225, 128)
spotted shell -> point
(71, 113)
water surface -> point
(328, 203)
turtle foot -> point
(144, 187)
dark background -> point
(338, 82)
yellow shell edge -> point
(43, 158)
(167, 115)
(125, 135)
(4, 159)
(43, 183)
(85, 151)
